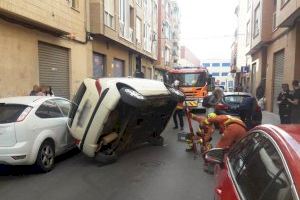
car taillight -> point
(98, 86)
(221, 107)
(24, 114)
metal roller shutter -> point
(277, 77)
(54, 68)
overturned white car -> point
(110, 115)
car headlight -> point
(134, 94)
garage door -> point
(277, 77)
(54, 68)
(118, 68)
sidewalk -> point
(270, 118)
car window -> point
(64, 106)
(234, 99)
(259, 170)
(48, 110)
(10, 112)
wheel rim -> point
(47, 156)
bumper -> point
(19, 154)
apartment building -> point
(43, 42)
(240, 60)
(274, 46)
(168, 33)
(125, 37)
(58, 43)
(220, 70)
(188, 58)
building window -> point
(109, 10)
(121, 10)
(206, 64)
(167, 56)
(248, 33)
(75, 4)
(215, 74)
(283, 2)
(224, 73)
(256, 21)
(138, 30)
(216, 64)
(225, 64)
(223, 83)
(118, 68)
(155, 19)
(98, 65)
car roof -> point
(27, 100)
(287, 137)
(237, 93)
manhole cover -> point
(154, 163)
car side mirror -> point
(215, 155)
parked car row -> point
(107, 117)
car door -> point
(52, 119)
(65, 107)
(257, 170)
(225, 188)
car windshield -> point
(10, 112)
(190, 79)
(234, 99)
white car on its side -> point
(33, 130)
(110, 115)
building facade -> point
(220, 70)
(273, 38)
(58, 43)
(45, 43)
(241, 61)
(187, 58)
(168, 34)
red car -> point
(265, 165)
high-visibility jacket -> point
(179, 106)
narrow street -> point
(147, 173)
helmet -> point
(211, 115)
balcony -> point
(289, 13)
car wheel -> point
(156, 141)
(45, 157)
(132, 97)
(106, 159)
(176, 95)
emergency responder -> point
(231, 128)
(179, 110)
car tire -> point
(106, 159)
(45, 157)
(176, 95)
(156, 141)
(132, 97)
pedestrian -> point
(250, 112)
(179, 111)
(34, 90)
(285, 107)
(213, 100)
(295, 101)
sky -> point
(207, 27)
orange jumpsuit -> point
(232, 129)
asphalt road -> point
(146, 173)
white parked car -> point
(111, 115)
(33, 130)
